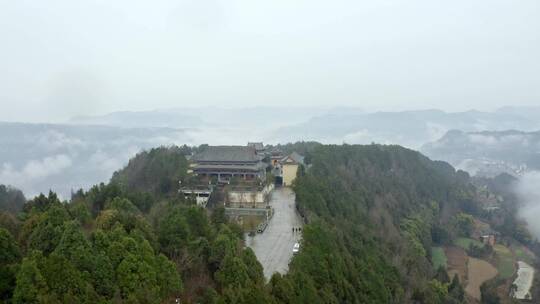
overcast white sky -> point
(60, 58)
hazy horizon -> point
(224, 65)
(63, 58)
(322, 109)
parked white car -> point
(296, 248)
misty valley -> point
(86, 150)
(155, 214)
(270, 152)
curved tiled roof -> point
(227, 154)
(297, 158)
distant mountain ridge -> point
(36, 157)
(162, 118)
(202, 117)
(488, 153)
(328, 125)
(409, 128)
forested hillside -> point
(101, 248)
(156, 171)
(372, 213)
(128, 241)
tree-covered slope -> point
(155, 171)
(108, 245)
(65, 254)
(371, 211)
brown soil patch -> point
(479, 271)
(457, 262)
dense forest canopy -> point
(372, 214)
(374, 207)
(156, 171)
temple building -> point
(225, 162)
(275, 157)
(201, 195)
(288, 167)
(259, 147)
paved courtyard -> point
(273, 247)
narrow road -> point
(273, 247)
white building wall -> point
(250, 197)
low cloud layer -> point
(38, 158)
(35, 169)
(528, 190)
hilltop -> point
(381, 224)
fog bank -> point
(528, 191)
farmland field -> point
(466, 242)
(438, 257)
(523, 254)
(505, 261)
(457, 262)
(479, 271)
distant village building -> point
(226, 162)
(489, 237)
(289, 167)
